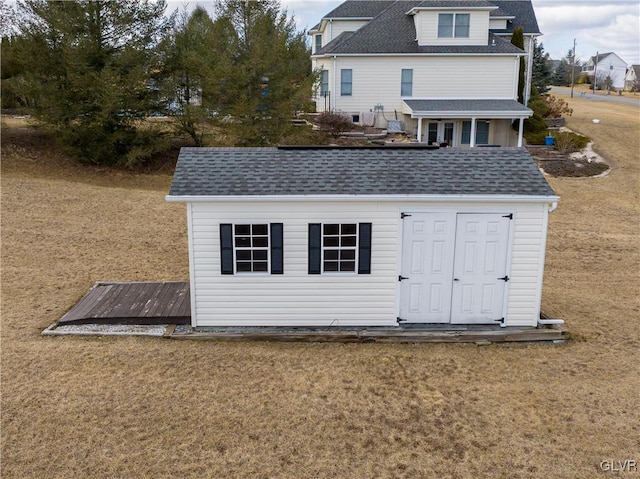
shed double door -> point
(453, 267)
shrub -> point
(536, 138)
(556, 107)
(334, 123)
(535, 124)
(568, 142)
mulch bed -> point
(555, 163)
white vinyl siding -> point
(427, 27)
(297, 298)
(375, 79)
(497, 23)
(336, 27)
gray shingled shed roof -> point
(393, 31)
(293, 171)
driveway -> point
(600, 96)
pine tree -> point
(87, 67)
(541, 75)
(271, 71)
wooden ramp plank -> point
(131, 303)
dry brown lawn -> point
(156, 408)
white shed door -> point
(479, 268)
(427, 259)
(453, 267)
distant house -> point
(632, 78)
(445, 69)
(363, 236)
(604, 66)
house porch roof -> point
(481, 108)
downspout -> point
(335, 92)
(553, 206)
(527, 88)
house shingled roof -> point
(374, 37)
(523, 12)
(292, 171)
(359, 9)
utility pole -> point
(573, 65)
(595, 74)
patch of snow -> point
(587, 154)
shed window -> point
(251, 248)
(340, 248)
(346, 75)
(453, 25)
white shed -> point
(363, 236)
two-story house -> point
(445, 68)
(606, 70)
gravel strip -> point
(105, 330)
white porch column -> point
(419, 137)
(472, 138)
(520, 132)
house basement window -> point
(340, 248)
(251, 248)
(453, 25)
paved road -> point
(600, 96)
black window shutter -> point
(226, 248)
(314, 248)
(364, 248)
(277, 266)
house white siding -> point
(336, 27)
(340, 299)
(497, 23)
(376, 79)
(426, 23)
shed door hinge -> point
(504, 278)
(400, 277)
(501, 320)
(510, 216)
(404, 215)
(399, 320)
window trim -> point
(346, 87)
(274, 248)
(324, 83)
(404, 83)
(453, 25)
(363, 249)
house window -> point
(340, 248)
(318, 39)
(345, 81)
(355, 118)
(406, 82)
(324, 83)
(482, 132)
(251, 248)
(453, 25)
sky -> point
(597, 25)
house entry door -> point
(453, 267)
(439, 132)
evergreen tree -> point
(541, 75)
(272, 74)
(561, 76)
(196, 66)
(87, 68)
(517, 39)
